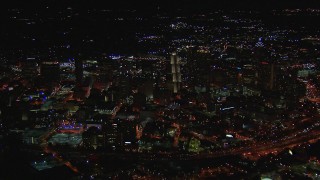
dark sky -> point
(87, 26)
(149, 5)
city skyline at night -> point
(160, 89)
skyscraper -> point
(176, 73)
(50, 71)
(79, 70)
(267, 75)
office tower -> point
(248, 75)
(260, 52)
(197, 67)
(108, 67)
(124, 87)
(267, 75)
(191, 66)
(176, 74)
(50, 71)
(30, 68)
(93, 138)
(79, 70)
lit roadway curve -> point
(258, 149)
(44, 145)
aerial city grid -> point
(160, 89)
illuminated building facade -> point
(176, 73)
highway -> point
(253, 151)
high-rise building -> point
(176, 73)
(79, 70)
(30, 68)
(197, 66)
(50, 71)
(267, 75)
(93, 138)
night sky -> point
(187, 5)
